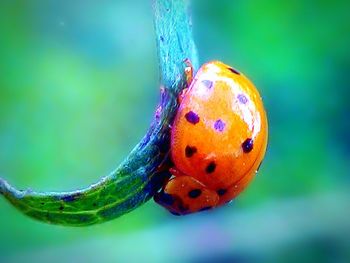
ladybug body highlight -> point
(218, 140)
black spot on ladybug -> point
(42, 203)
(210, 168)
(192, 117)
(205, 208)
(61, 207)
(242, 98)
(247, 145)
(234, 71)
(194, 193)
(221, 192)
(190, 151)
(219, 125)
(207, 83)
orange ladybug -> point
(218, 140)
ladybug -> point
(218, 140)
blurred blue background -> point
(78, 87)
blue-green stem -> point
(137, 178)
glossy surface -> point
(218, 138)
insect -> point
(218, 140)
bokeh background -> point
(78, 87)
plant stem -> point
(136, 179)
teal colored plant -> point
(138, 177)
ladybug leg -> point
(181, 95)
(189, 78)
(188, 71)
(184, 195)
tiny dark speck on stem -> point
(70, 197)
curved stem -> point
(136, 179)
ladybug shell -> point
(219, 134)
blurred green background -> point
(78, 87)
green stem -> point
(136, 179)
